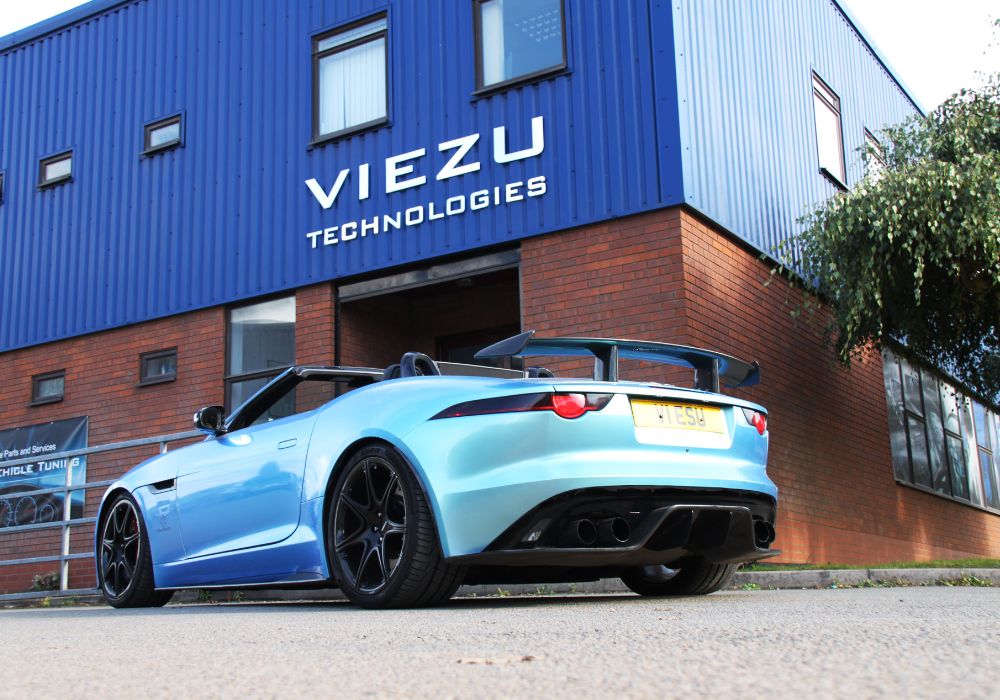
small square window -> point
(157, 367)
(829, 137)
(48, 387)
(350, 78)
(55, 169)
(162, 135)
(518, 40)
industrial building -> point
(195, 195)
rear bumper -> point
(636, 527)
(482, 473)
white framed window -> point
(55, 169)
(829, 134)
(350, 78)
(518, 40)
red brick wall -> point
(101, 382)
(664, 275)
(102, 373)
(314, 310)
(670, 276)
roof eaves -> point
(877, 53)
(57, 23)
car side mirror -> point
(211, 420)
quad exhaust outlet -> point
(614, 530)
(586, 532)
(763, 533)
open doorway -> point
(449, 319)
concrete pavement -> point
(924, 642)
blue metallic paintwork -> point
(297, 559)
(480, 472)
(160, 511)
(241, 490)
(224, 217)
(492, 469)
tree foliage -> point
(913, 253)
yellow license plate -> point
(679, 416)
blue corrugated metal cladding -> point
(744, 84)
(229, 215)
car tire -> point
(124, 564)
(382, 543)
(693, 577)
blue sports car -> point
(398, 485)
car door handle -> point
(285, 444)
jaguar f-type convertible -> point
(398, 485)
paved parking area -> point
(930, 642)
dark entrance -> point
(448, 319)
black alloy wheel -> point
(124, 566)
(382, 543)
(120, 548)
(370, 524)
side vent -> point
(164, 485)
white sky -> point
(935, 47)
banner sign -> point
(18, 506)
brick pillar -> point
(314, 316)
(315, 308)
(621, 279)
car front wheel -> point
(381, 539)
(124, 565)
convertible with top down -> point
(398, 485)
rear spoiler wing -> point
(711, 368)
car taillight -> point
(564, 405)
(756, 419)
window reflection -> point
(519, 38)
(940, 439)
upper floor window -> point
(162, 135)
(829, 136)
(48, 388)
(261, 344)
(875, 156)
(350, 79)
(518, 40)
(55, 169)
